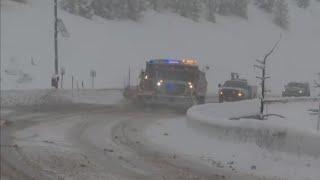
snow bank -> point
(292, 99)
(32, 97)
(274, 134)
(214, 153)
(59, 97)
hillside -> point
(112, 46)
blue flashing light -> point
(165, 61)
(172, 61)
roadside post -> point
(93, 74)
(63, 72)
(318, 124)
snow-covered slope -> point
(110, 47)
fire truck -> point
(169, 82)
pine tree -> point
(103, 8)
(266, 5)
(211, 7)
(224, 7)
(189, 9)
(79, 7)
(135, 8)
(240, 8)
(158, 5)
(303, 3)
(281, 14)
(232, 7)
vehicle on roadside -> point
(236, 89)
(296, 89)
(169, 82)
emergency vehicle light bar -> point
(173, 61)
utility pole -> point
(56, 65)
(62, 72)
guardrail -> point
(291, 99)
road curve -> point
(82, 141)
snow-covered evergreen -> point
(303, 3)
(266, 5)
(192, 9)
(132, 9)
(281, 14)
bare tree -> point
(262, 66)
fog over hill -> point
(110, 38)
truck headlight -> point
(159, 83)
(190, 85)
(240, 94)
(300, 91)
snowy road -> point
(46, 137)
(79, 141)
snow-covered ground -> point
(219, 142)
(192, 139)
(52, 96)
(110, 47)
(297, 115)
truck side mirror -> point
(219, 85)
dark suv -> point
(296, 89)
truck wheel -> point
(201, 100)
(139, 102)
(220, 99)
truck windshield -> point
(238, 84)
(171, 72)
(300, 85)
(176, 75)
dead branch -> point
(273, 48)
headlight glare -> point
(159, 83)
